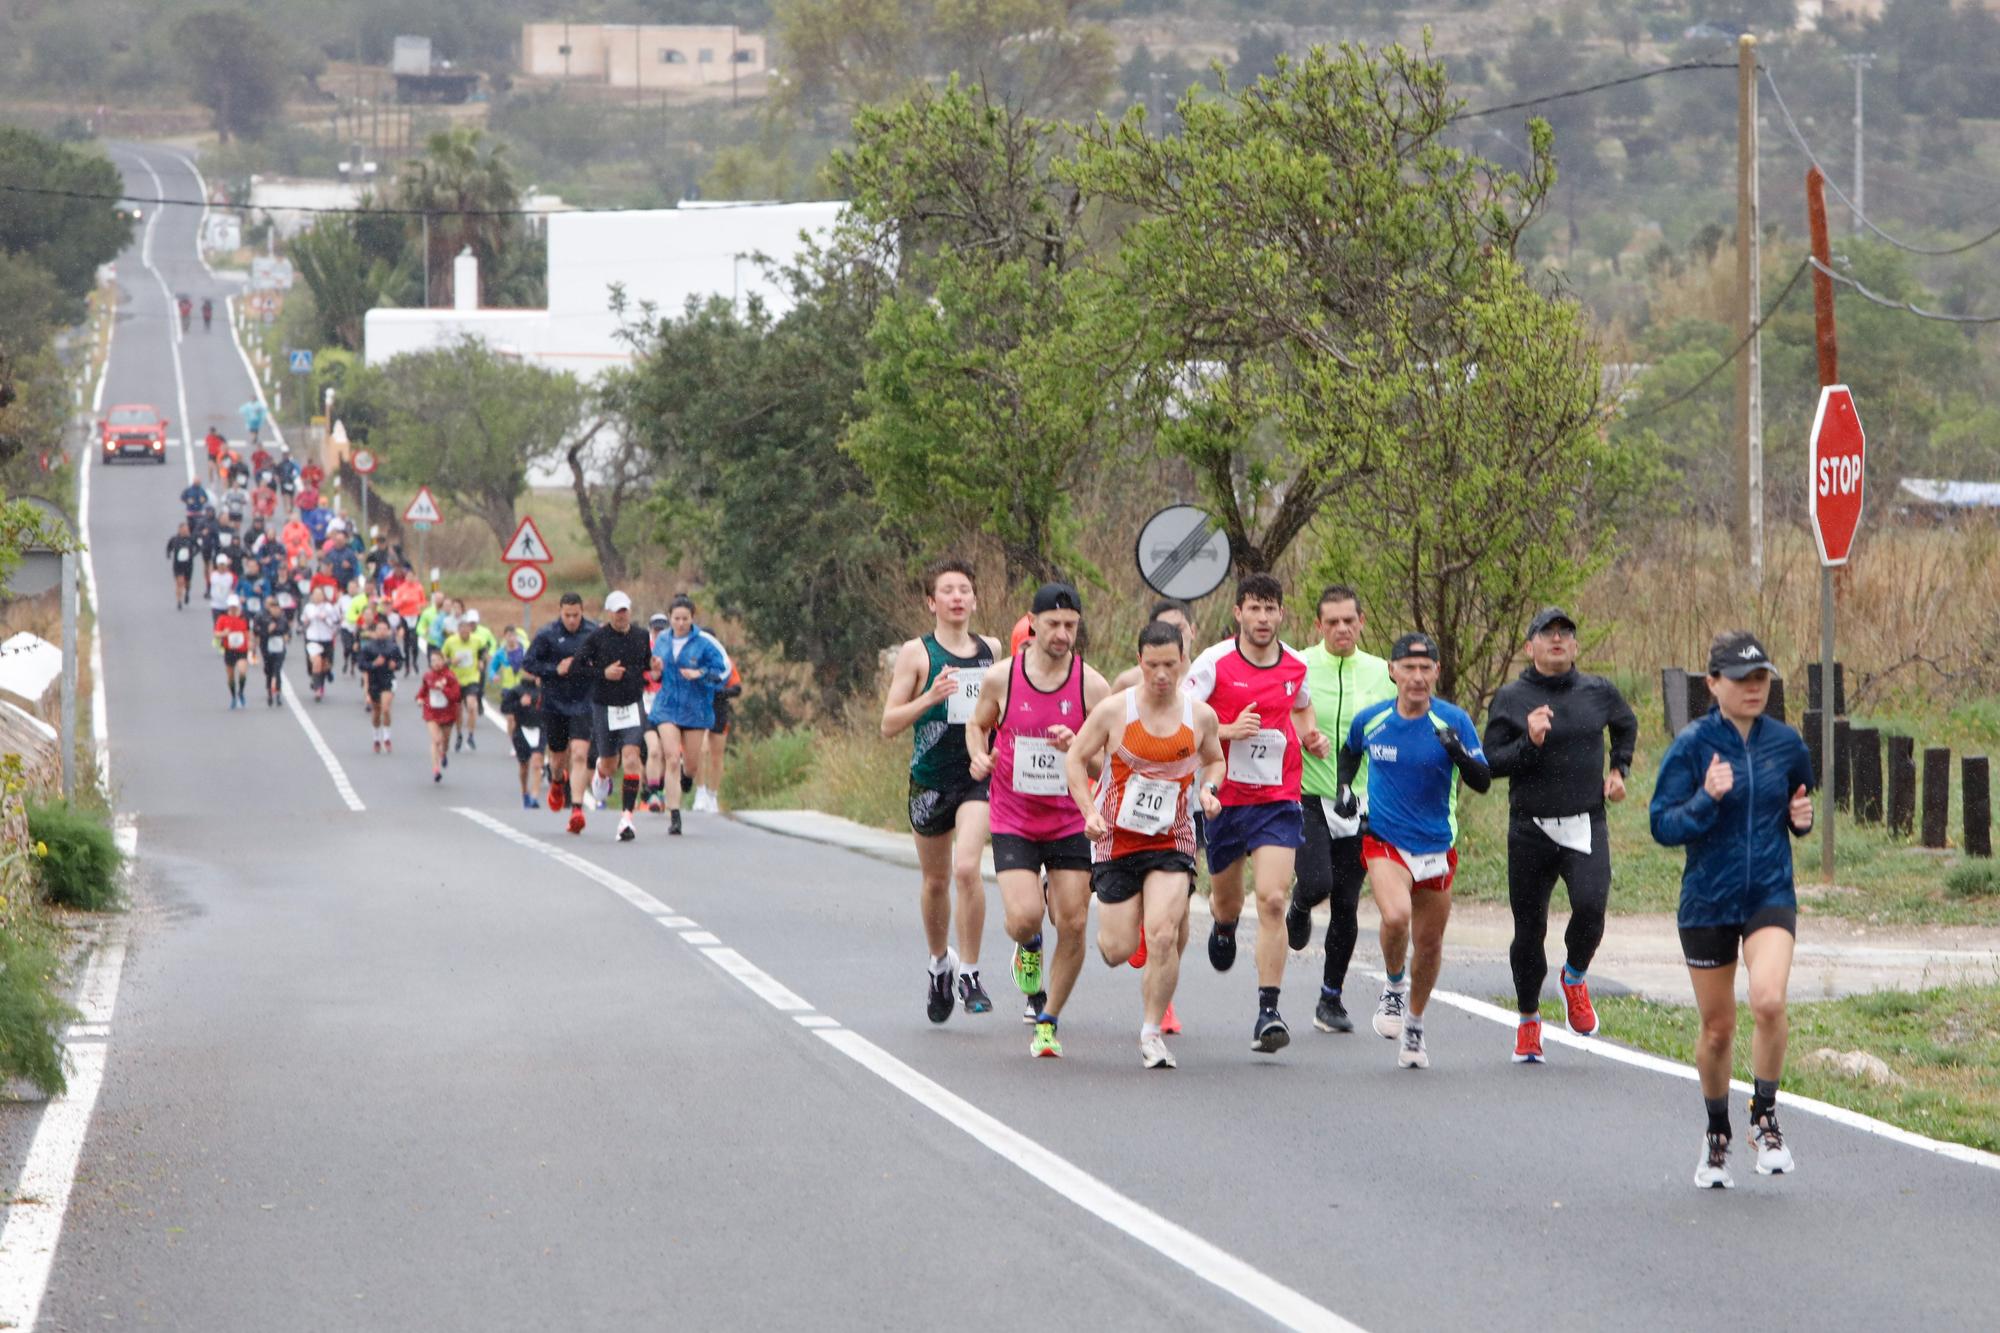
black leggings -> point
(1329, 868)
(1534, 862)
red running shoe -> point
(1528, 1043)
(1576, 1000)
(558, 795)
(576, 819)
(1139, 954)
(1169, 1024)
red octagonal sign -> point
(1834, 487)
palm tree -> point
(466, 196)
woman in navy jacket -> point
(1733, 785)
(692, 667)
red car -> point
(133, 428)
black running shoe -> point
(674, 821)
(938, 1007)
(1270, 1034)
(687, 783)
(1331, 1015)
(1298, 924)
(1221, 948)
(1033, 1008)
(974, 995)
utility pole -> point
(1750, 367)
(1860, 62)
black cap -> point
(1550, 615)
(1737, 654)
(1414, 644)
(1056, 597)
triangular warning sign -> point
(526, 546)
(423, 509)
(339, 435)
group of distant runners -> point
(1303, 776)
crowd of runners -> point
(587, 705)
(1300, 778)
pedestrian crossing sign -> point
(302, 360)
(526, 546)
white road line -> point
(1209, 1262)
(624, 888)
(34, 1215)
(699, 937)
(1957, 1152)
(320, 747)
(201, 227)
(173, 324)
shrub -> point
(81, 866)
(1973, 880)
(32, 1015)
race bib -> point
(1258, 760)
(1336, 827)
(533, 736)
(183, 555)
(235, 641)
(1571, 831)
(619, 717)
(1149, 806)
(439, 701)
(958, 708)
(275, 645)
(1038, 768)
(1429, 865)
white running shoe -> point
(1773, 1157)
(625, 830)
(1711, 1169)
(1389, 1011)
(1153, 1051)
(704, 800)
(1412, 1054)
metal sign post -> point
(1834, 487)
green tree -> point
(1295, 252)
(346, 282)
(235, 66)
(466, 191)
(68, 234)
(469, 423)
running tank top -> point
(1030, 788)
(937, 742)
(1143, 792)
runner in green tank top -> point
(932, 690)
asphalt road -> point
(435, 1065)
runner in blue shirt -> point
(1418, 748)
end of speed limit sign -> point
(526, 582)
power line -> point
(1861, 217)
(160, 202)
(1735, 352)
(1893, 304)
(1593, 88)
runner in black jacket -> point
(617, 656)
(1545, 734)
(565, 703)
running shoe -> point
(674, 822)
(1045, 1045)
(1270, 1034)
(471, 741)
(687, 783)
(1153, 1053)
(654, 805)
(973, 994)
(1412, 1055)
(1528, 1043)
(1032, 1010)
(1027, 969)
(576, 819)
(378, 747)
(625, 830)
(1576, 1002)
(437, 775)
(444, 760)
(558, 795)
(388, 747)
(1773, 1157)
(1711, 1169)
(1170, 1025)
(528, 802)
(1331, 1015)
(1298, 925)
(458, 741)
(1221, 948)
(1138, 958)
(938, 1006)
(1389, 1012)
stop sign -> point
(1834, 486)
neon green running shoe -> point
(1027, 969)
(1045, 1043)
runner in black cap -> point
(1545, 734)
(1731, 786)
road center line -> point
(173, 327)
(321, 748)
(1209, 1262)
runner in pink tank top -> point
(1030, 709)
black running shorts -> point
(1716, 946)
(1120, 880)
(1013, 852)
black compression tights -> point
(1329, 870)
(1534, 863)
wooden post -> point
(1937, 796)
(1674, 699)
(1699, 700)
(1749, 367)
(1843, 764)
(1976, 801)
(1815, 697)
(1865, 743)
(1902, 786)
(1815, 748)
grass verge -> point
(1942, 1048)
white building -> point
(658, 256)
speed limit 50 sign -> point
(526, 582)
